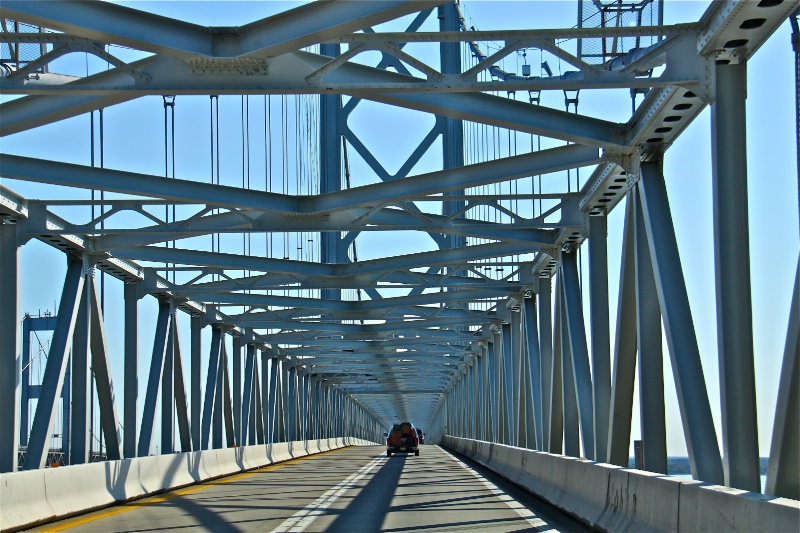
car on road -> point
(402, 438)
(420, 435)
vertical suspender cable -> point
(793, 19)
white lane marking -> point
(306, 516)
(521, 510)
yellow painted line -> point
(130, 506)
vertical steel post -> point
(179, 385)
(272, 409)
(304, 404)
(571, 400)
(25, 356)
(518, 370)
(247, 393)
(57, 362)
(698, 424)
(619, 435)
(292, 404)
(131, 387)
(219, 404)
(81, 422)
(546, 356)
(10, 365)
(266, 415)
(330, 146)
(512, 405)
(492, 355)
(102, 374)
(601, 337)
(257, 418)
(651, 360)
(579, 350)
(196, 346)
(732, 259)
(238, 422)
(211, 387)
(556, 379)
(154, 379)
(452, 128)
(784, 453)
(168, 389)
(230, 436)
(534, 371)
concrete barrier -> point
(610, 498)
(34, 497)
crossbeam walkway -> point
(352, 489)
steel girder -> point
(449, 352)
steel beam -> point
(211, 387)
(238, 421)
(784, 454)
(506, 169)
(619, 434)
(82, 406)
(196, 346)
(181, 404)
(168, 389)
(601, 339)
(570, 399)
(313, 23)
(227, 407)
(106, 399)
(131, 355)
(534, 371)
(10, 367)
(651, 361)
(546, 353)
(493, 398)
(732, 259)
(103, 179)
(579, 350)
(115, 24)
(160, 343)
(698, 424)
(57, 360)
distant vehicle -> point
(402, 438)
(420, 435)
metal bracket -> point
(629, 159)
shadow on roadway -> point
(367, 511)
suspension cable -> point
(793, 19)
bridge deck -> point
(354, 489)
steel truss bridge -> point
(480, 334)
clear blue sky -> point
(134, 141)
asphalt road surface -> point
(350, 490)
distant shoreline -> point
(679, 466)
